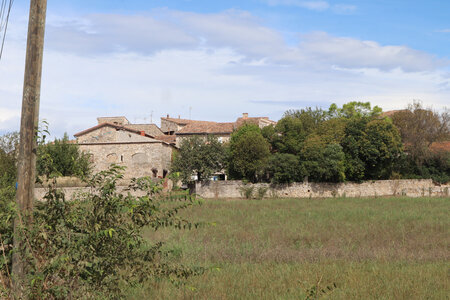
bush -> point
(92, 247)
(247, 191)
(63, 158)
(262, 191)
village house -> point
(135, 146)
(146, 149)
(183, 128)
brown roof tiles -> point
(205, 127)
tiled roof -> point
(253, 120)
(390, 113)
(205, 127)
(170, 139)
(180, 121)
(118, 127)
(151, 129)
(440, 146)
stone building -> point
(146, 149)
(115, 140)
(183, 128)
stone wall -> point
(140, 159)
(169, 126)
(70, 192)
(410, 188)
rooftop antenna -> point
(151, 117)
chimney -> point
(142, 133)
(179, 117)
(245, 115)
(167, 116)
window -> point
(111, 158)
(139, 158)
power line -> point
(5, 12)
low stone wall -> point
(70, 192)
(377, 188)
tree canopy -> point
(249, 153)
(199, 156)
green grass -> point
(278, 248)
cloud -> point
(447, 30)
(315, 5)
(352, 53)
(344, 9)
(100, 33)
(312, 5)
(219, 64)
(236, 30)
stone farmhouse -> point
(182, 128)
(146, 149)
(135, 146)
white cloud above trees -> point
(219, 64)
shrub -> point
(262, 191)
(247, 191)
(91, 247)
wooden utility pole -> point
(28, 137)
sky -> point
(214, 60)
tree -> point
(199, 156)
(420, 127)
(284, 168)
(295, 126)
(62, 158)
(354, 110)
(322, 162)
(371, 148)
(249, 153)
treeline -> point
(354, 142)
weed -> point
(262, 191)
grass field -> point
(380, 248)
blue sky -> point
(218, 59)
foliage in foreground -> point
(92, 246)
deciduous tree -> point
(249, 153)
(199, 156)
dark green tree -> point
(371, 148)
(284, 168)
(293, 129)
(249, 153)
(322, 162)
(199, 156)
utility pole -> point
(26, 166)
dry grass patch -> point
(273, 249)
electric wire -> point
(5, 12)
